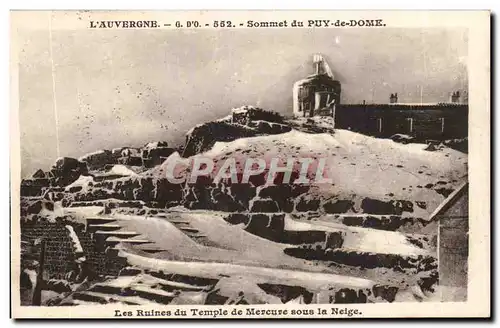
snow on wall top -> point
(121, 170)
(92, 154)
(242, 109)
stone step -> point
(103, 227)
(106, 289)
(167, 285)
(100, 220)
(157, 295)
(149, 248)
(143, 291)
(188, 230)
(113, 241)
(185, 279)
(153, 251)
(75, 302)
(105, 239)
(168, 281)
(144, 245)
(336, 294)
(181, 225)
(196, 235)
(106, 298)
(91, 297)
(119, 234)
(178, 222)
(129, 271)
(171, 286)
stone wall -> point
(288, 198)
(154, 192)
(59, 253)
(239, 197)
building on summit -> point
(319, 95)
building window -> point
(442, 124)
(303, 92)
(379, 123)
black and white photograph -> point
(180, 166)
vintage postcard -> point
(250, 164)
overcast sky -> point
(128, 87)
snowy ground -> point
(202, 243)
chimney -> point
(394, 98)
(455, 97)
(465, 97)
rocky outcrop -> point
(67, 170)
(34, 186)
(39, 174)
(265, 127)
(246, 114)
(246, 121)
(35, 206)
(98, 160)
(155, 153)
(128, 156)
(204, 136)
